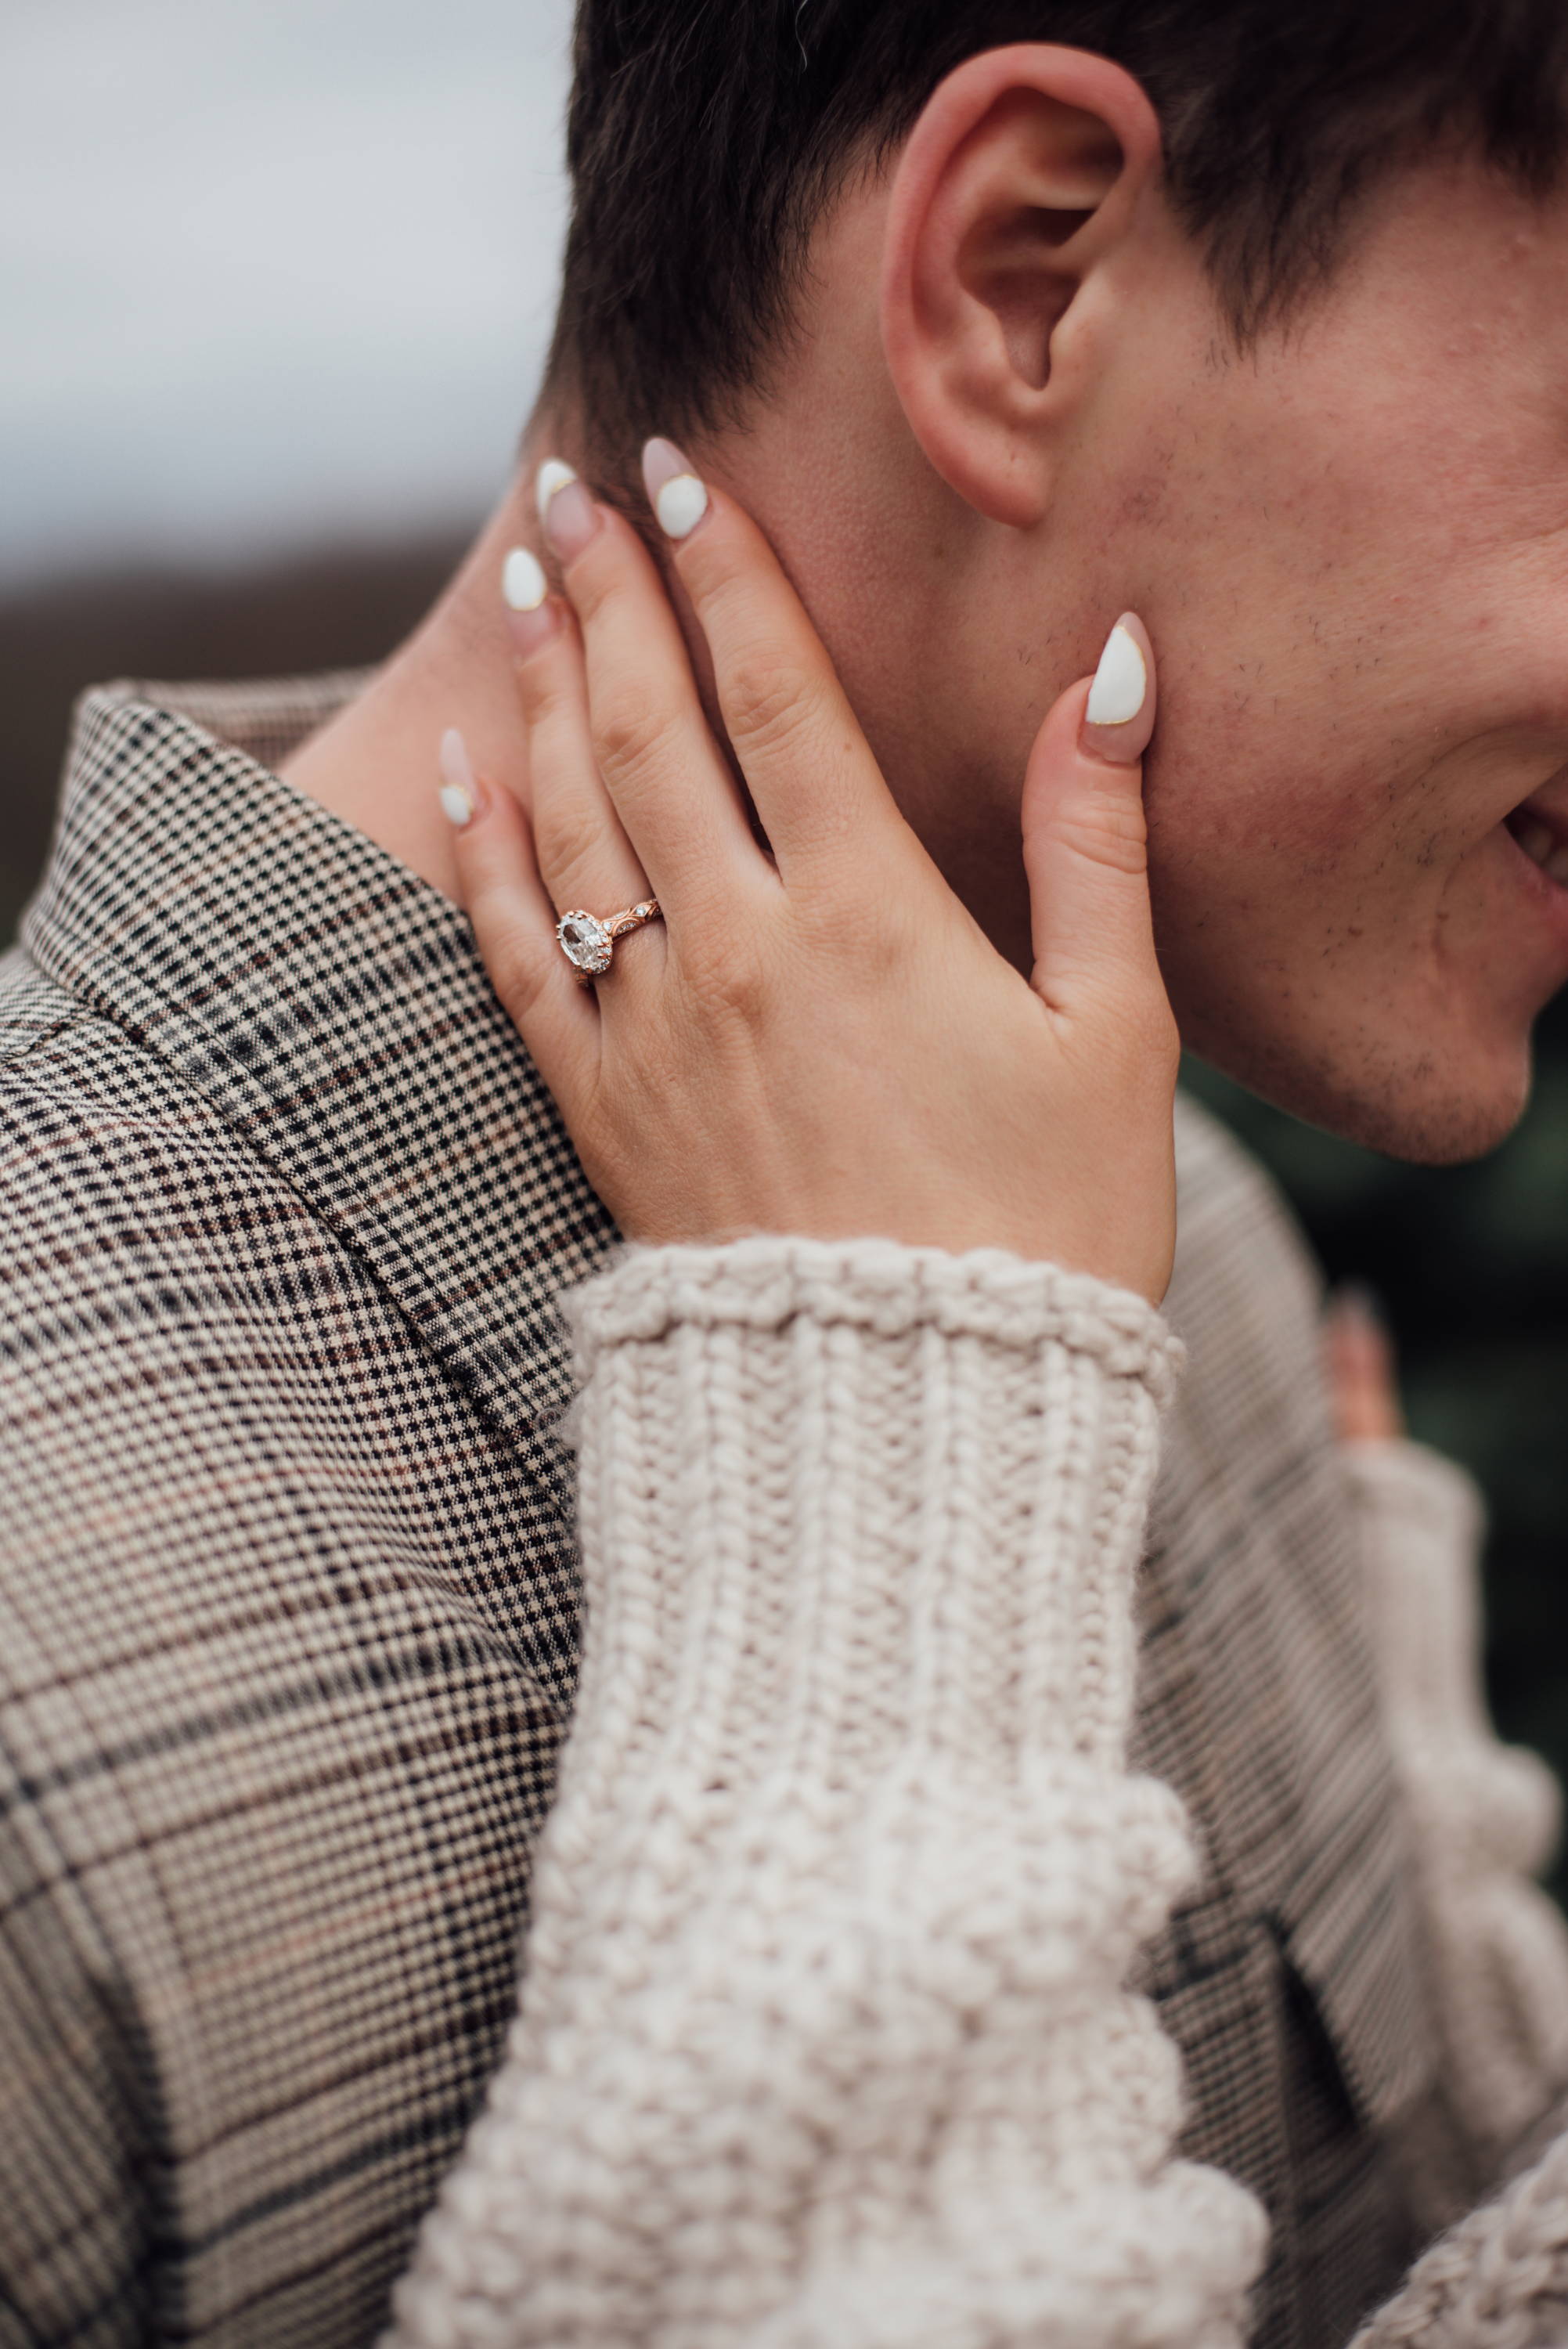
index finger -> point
(809, 766)
(1363, 1380)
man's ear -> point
(1016, 193)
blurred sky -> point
(270, 270)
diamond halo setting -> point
(585, 942)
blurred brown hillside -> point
(1473, 1261)
(348, 605)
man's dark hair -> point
(705, 137)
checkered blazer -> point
(288, 1599)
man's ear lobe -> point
(1017, 188)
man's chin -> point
(1414, 1108)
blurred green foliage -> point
(1472, 1261)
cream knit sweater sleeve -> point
(822, 2039)
(1485, 1817)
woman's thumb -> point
(1085, 840)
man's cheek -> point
(1263, 829)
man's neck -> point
(375, 764)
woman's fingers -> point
(1085, 840)
(745, 1070)
(1363, 1384)
(580, 845)
(818, 789)
(514, 927)
(650, 739)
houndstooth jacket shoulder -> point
(288, 1600)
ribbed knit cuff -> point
(1481, 1809)
(1421, 1520)
(822, 2036)
(842, 1499)
(762, 1283)
(1401, 1484)
(1484, 1817)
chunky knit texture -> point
(823, 2043)
(1485, 1817)
(1497, 2280)
(822, 2039)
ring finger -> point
(585, 860)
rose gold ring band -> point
(589, 944)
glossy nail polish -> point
(678, 495)
(460, 784)
(1119, 716)
(525, 591)
(552, 475)
(571, 521)
(522, 580)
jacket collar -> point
(333, 1006)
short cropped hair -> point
(704, 137)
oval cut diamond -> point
(585, 942)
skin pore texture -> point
(1010, 411)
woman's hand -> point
(1363, 1377)
(823, 1040)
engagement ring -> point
(590, 945)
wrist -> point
(796, 1452)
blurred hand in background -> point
(1363, 1374)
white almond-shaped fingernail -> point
(1120, 682)
(457, 789)
(681, 505)
(552, 475)
(522, 580)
